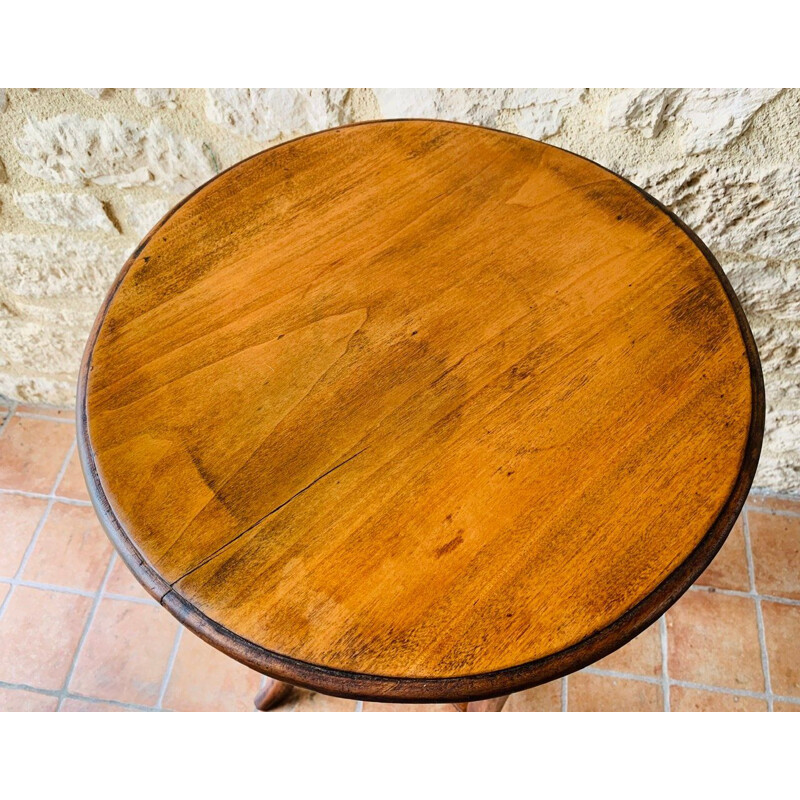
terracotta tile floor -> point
(78, 633)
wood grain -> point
(272, 694)
(419, 410)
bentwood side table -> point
(419, 411)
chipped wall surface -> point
(85, 173)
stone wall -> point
(84, 174)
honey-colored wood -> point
(417, 410)
(272, 694)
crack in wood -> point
(269, 514)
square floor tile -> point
(683, 699)
(641, 656)
(204, 679)
(39, 632)
(728, 570)
(22, 700)
(122, 582)
(19, 517)
(71, 550)
(546, 697)
(125, 653)
(782, 633)
(775, 540)
(587, 692)
(713, 639)
(72, 484)
(32, 452)
(91, 706)
(781, 705)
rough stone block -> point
(266, 115)
(82, 212)
(71, 149)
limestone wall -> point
(84, 173)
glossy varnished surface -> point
(419, 410)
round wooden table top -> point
(417, 410)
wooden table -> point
(419, 411)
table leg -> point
(273, 693)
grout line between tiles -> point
(168, 670)
(100, 701)
(720, 689)
(25, 556)
(787, 601)
(12, 407)
(52, 588)
(85, 632)
(29, 415)
(52, 498)
(782, 600)
(34, 538)
(776, 512)
(662, 625)
(72, 696)
(564, 696)
(49, 587)
(612, 673)
(795, 701)
(27, 688)
(606, 673)
(142, 601)
(762, 639)
(359, 705)
(41, 496)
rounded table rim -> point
(366, 686)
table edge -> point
(366, 686)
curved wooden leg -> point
(492, 704)
(273, 693)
